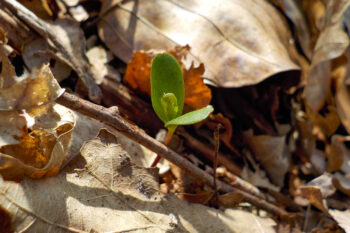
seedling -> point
(168, 94)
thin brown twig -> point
(133, 132)
(217, 147)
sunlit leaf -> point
(166, 77)
(191, 117)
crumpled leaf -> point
(34, 138)
(138, 71)
(83, 198)
(226, 43)
(331, 43)
(272, 153)
(37, 89)
(230, 199)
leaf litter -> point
(279, 87)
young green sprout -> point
(168, 94)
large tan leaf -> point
(112, 194)
(240, 42)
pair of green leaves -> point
(168, 94)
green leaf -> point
(166, 79)
(191, 117)
(169, 104)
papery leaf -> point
(191, 117)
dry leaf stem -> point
(113, 119)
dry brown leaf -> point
(34, 138)
(38, 89)
(85, 198)
(230, 199)
(226, 43)
(331, 43)
(328, 124)
(138, 71)
(317, 190)
(272, 153)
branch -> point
(113, 119)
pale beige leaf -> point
(240, 42)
